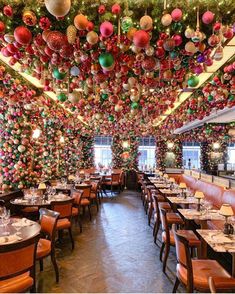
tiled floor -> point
(115, 253)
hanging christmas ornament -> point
(141, 39)
(190, 47)
(207, 17)
(2, 27)
(22, 35)
(169, 44)
(106, 60)
(74, 97)
(80, 22)
(62, 97)
(166, 20)
(116, 9)
(92, 38)
(193, 81)
(101, 9)
(146, 23)
(71, 34)
(176, 14)
(106, 29)
(218, 55)
(8, 11)
(29, 18)
(74, 71)
(126, 23)
(58, 8)
(44, 23)
(189, 33)
(130, 34)
(59, 75)
(55, 40)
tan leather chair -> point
(64, 222)
(169, 240)
(17, 266)
(46, 244)
(85, 201)
(94, 193)
(220, 285)
(77, 196)
(194, 273)
(114, 182)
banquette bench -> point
(217, 195)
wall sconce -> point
(216, 145)
(36, 133)
(125, 144)
(62, 140)
(170, 145)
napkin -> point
(9, 239)
(23, 222)
(20, 200)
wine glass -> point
(6, 220)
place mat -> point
(22, 222)
(20, 200)
(9, 239)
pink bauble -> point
(207, 17)
(5, 52)
(176, 14)
(101, 9)
(166, 20)
(228, 34)
(22, 35)
(178, 40)
(116, 9)
(55, 40)
(106, 29)
(141, 39)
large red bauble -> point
(178, 40)
(160, 52)
(141, 39)
(11, 48)
(55, 40)
(22, 35)
(116, 9)
(2, 27)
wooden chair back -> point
(115, 178)
(77, 196)
(184, 258)
(63, 207)
(86, 190)
(48, 220)
(18, 258)
(165, 225)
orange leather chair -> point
(64, 222)
(77, 196)
(220, 285)
(17, 266)
(169, 240)
(46, 244)
(114, 182)
(85, 201)
(194, 273)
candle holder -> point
(199, 195)
(226, 210)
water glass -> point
(6, 221)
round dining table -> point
(18, 230)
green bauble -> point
(111, 117)
(193, 81)
(134, 105)
(104, 96)
(106, 59)
(126, 24)
(231, 97)
(190, 111)
(62, 97)
(208, 131)
(58, 75)
(173, 54)
(210, 98)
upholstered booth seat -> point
(13, 285)
(229, 197)
(215, 224)
(190, 182)
(202, 270)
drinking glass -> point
(6, 220)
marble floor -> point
(114, 253)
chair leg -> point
(150, 215)
(166, 253)
(41, 264)
(89, 210)
(157, 229)
(161, 251)
(71, 238)
(53, 260)
(176, 285)
(97, 204)
(80, 223)
(154, 227)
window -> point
(147, 150)
(231, 155)
(102, 150)
(191, 151)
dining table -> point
(18, 230)
(39, 201)
(219, 242)
(169, 192)
(181, 201)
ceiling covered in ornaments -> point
(147, 67)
